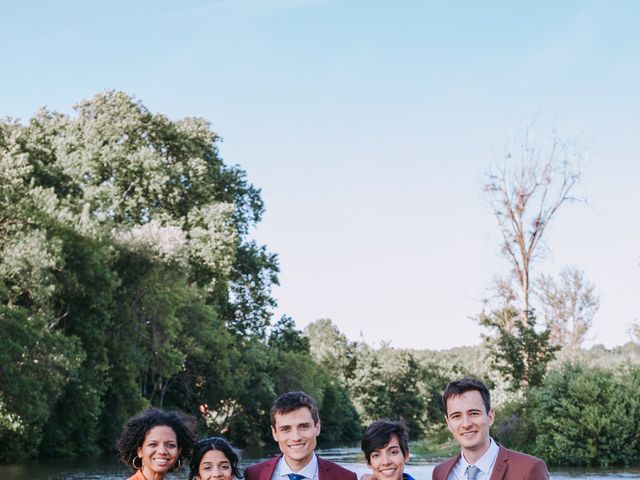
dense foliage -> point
(580, 416)
(127, 278)
(519, 352)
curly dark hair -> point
(137, 427)
(215, 443)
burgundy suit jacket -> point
(327, 470)
(510, 465)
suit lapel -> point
(269, 468)
(323, 469)
(448, 467)
(500, 468)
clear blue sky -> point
(369, 126)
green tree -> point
(519, 353)
(588, 417)
(255, 393)
(514, 426)
(35, 366)
(124, 234)
(340, 419)
(285, 337)
(387, 383)
(331, 348)
(86, 284)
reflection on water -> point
(108, 468)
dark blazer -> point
(510, 465)
(327, 470)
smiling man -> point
(295, 425)
(468, 413)
(385, 444)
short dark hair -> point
(215, 443)
(137, 427)
(293, 401)
(464, 385)
(378, 435)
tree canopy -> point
(128, 278)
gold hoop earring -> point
(133, 462)
(178, 464)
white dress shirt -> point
(485, 464)
(310, 471)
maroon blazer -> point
(327, 470)
(510, 465)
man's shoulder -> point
(448, 462)
(521, 465)
(442, 469)
(256, 468)
(519, 457)
(335, 470)
(262, 464)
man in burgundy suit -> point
(468, 413)
(295, 425)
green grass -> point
(437, 447)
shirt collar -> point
(309, 471)
(485, 463)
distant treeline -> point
(586, 412)
(127, 279)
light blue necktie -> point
(472, 472)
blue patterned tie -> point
(472, 472)
(295, 476)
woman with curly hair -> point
(214, 458)
(155, 442)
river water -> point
(108, 468)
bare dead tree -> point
(525, 191)
(568, 305)
(634, 331)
